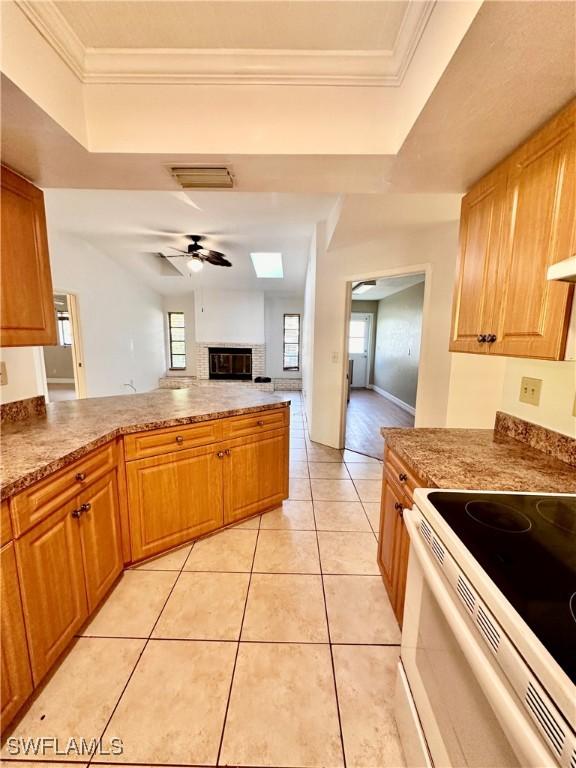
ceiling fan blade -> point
(217, 260)
(186, 253)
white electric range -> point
(488, 659)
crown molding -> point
(383, 68)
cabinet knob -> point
(179, 439)
(402, 477)
(481, 339)
(80, 476)
(220, 454)
(260, 423)
(85, 507)
(76, 513)
(398, 507)
(491, 338)
(228, 451)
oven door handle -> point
(517, 726)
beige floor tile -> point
(283, 708)
(204, 606)
(173, 709)
(353, 553)
(359, 610)
(298, 469)
(351, 457)
(340, 516)
(285, 608)
(173, 561)
(300, 489)
(365, 678)
(372, 509)
(369, 490)
(333, 490)
(134, 605)
(82, 694)
(298, 454)
(296, 515)
(328, 470)
(296, 443)
(231, 550)
(317, 452)
(249, 525)
(287, 552)
(365, 471)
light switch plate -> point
(530, 390)
(3, 374)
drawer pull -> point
(80, 476)
(260, 423)
(220, 454)
(481, 338)
(398, 507)
(85, 507)
(76, 513)
(179, 439)
(402, 477)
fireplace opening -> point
(233, 363)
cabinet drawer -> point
(400, 475)
(37, 502)
(142, 445)
(240, 426)
(5, 523)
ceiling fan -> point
(198, 255)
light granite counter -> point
(36, 446)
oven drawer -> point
(157, 442)
(253, 423)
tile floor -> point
(272, 643)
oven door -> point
(468, 711)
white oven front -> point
(450, 689)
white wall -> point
(121, 320)
(275, 307)
(309, 321)
(430, 249)
(229, 316)
(23, 368)
(184, 303)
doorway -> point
(63, 363)
(384, 333)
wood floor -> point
(367, 412)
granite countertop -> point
(479, 459)
(35, 447)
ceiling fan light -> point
(195, 265)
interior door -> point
(358, 347)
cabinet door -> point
(26, 302)
(100, 536)
(391, 505)
(540, 211)
(476, 276)
(16, 681)
(173, 498)
(256, 474)
(400, 568)
(52, 585)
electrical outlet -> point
(530, 390)
(334, 357)
(3, 374)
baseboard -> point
(393, 399)
(60, 381)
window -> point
(357, 337)
(64, 328)
(176, 332)
(291, 342)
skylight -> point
(267, 264)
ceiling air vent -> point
(203, 177)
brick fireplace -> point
(203, 361)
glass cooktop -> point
(527, 545)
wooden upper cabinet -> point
(480, 236)
(540, 213)
(515, 222)
(26, 302)
(15, 675)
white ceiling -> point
(386, 286)
(132, 226)
(237, 24)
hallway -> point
(367, 412)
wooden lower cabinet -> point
(16, 677)
(100, 537)
(255, 473)
(173, 498)
(51, 577)
(393, 539)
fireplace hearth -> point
(232, 363)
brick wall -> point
(258, 357)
